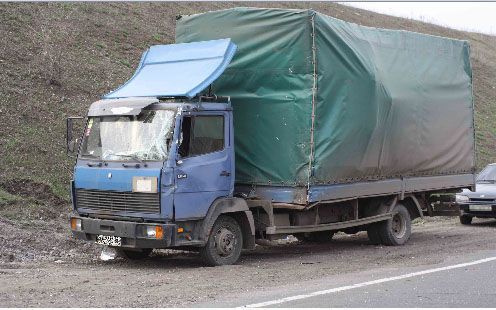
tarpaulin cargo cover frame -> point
(319, 101)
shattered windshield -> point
(129, 138)
(487, 175)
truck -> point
(262, 123)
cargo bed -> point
(358, 111)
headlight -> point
(461, 198)
(155, 232)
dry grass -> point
(56, 58)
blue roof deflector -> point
(177, 70)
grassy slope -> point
(56, 58)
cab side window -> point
(201, 134)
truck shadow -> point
(171, 259)
(338, 245)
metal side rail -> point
(272, 230)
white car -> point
(482, 202)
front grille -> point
(113, 202)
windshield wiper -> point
(96, 165)
(99, 164)
(135, 158)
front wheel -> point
(395, 231)
(224, 243)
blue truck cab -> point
(155, 164)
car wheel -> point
(465, 219)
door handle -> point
(225, 173)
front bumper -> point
(133, 235)
(478, 209)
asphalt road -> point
(472, 286)
(462, 281)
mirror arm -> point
(69, 135)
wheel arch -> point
(413, 206)
(238, 209)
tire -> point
(397, 230)
(228, 250)
(317, 236)
(465, 219)
(373, 234)
(135, 254)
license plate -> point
(480, 208)
(108, 240)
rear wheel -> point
(465, 219)
(224, 243)
(373, 234)
(397, 230)
(135, 254)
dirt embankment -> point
(57, 58)
(34, 225)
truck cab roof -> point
(177, 70)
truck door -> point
(203, 171)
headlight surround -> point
(76, 224)
(461, 198)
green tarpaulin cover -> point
(321, 101)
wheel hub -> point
(398, 226)
(224, 241)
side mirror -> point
(74, 130)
